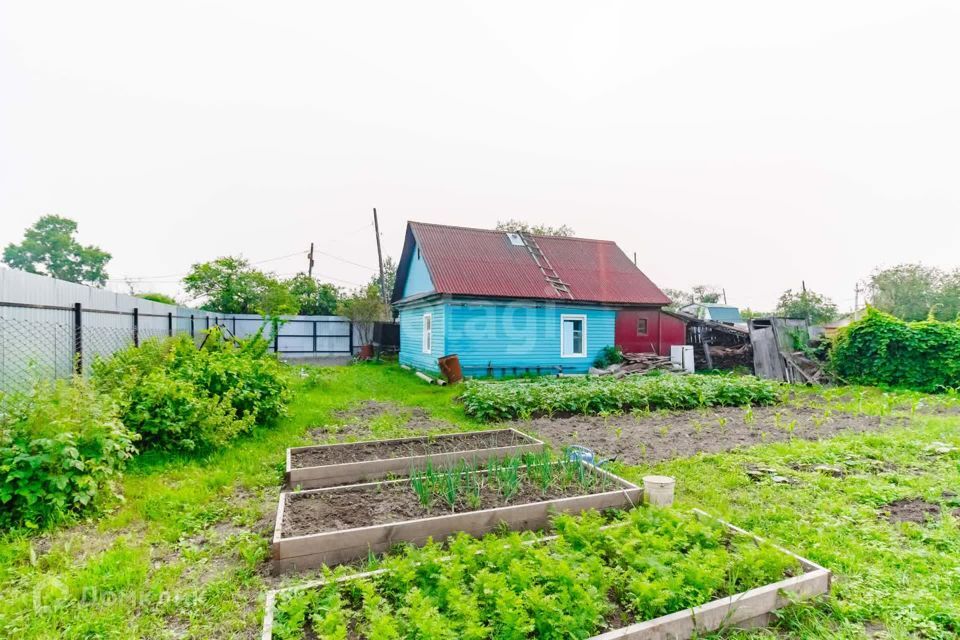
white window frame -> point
(574, 316)
(427, 336)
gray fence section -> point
(52, 329)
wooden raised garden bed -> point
(749, 609)
(353, 462)
(338, 524)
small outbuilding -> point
(515, 303)
(724, 313)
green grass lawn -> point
(185, 555)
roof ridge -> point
(535, 235)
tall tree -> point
(705, 293)
(806, 304)
(702, 293)
(910, 291)
(521, 226)
(313, 298)
(364, 307)
(231, 285)
(389, 276)
(50, 248)
(948, 300)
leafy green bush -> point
(174, 414)
(180, 397)
(655, 563)
(596, 395)
(610, 354)
(243, 371)
(881, 350)
(61, 445)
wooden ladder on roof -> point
(549, 273)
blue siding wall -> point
(418, 278)
(522, 335)
(411, 336)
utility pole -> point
(856, 299)
(724, 295)
(310, 259)
(634, 258)
(803, 284)
(376, 230)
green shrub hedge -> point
(178, 397)
(61, 446)
(881, 350)
(596, 395)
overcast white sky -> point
(749, 145)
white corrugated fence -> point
(49, 326)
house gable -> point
(417, 275)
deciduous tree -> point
(521, 226)
(313, 298)
(364, 307)
(916, 291)
(50, 248)
(806, 304)
(231, 285)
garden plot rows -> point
(447, 485)
(654, 574)
(333, 464)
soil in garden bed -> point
(380, 450)
(349, 507)
(647, 438)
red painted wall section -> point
(646, 330)
(673, 332)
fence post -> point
(191, 325)
(170, 324)
(207, 318)
(351, 337)
(314, 336)
(136, 327)
(276, 336)
(78, 338)
(234, 318)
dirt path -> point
(664, 435)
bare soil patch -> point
(385, 450)
(369, 410)
(349, 507)
(652, 437)
(357, 421)
(911, 510)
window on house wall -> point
(573, 336)
(427, 332)
(641, 326)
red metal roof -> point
(480, 262)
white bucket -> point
(658, 490)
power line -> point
(289, 255)
(356, 264)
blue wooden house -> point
(510, 303)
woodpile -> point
(635, 363)
(802, 368)
(638, 362)
(731, 357)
